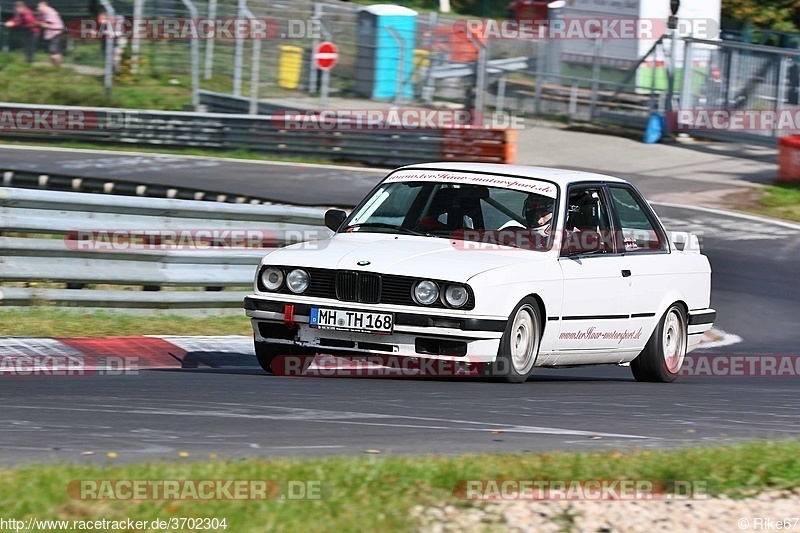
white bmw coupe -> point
(510, 268)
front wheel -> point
(663, 356)
(519, 346)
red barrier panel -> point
(789, 158)
(479, 145)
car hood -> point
(404, 255)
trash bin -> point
(789, 158)
(422, 61)
(290, 64)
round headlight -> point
(426, 292)
(297, 281)
(272, 278)
(456, 295)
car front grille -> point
(347, 286)
(369, 288)
(364, 287)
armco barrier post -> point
(789, 158)
(510, 143)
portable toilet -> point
(381, 58)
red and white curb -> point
(35, 355)
(32, 355)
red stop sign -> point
(326, 55)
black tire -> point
(663, 356)
(519, 346)
(266, 354)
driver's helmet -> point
(536, 208)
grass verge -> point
(44, 84)
(780, 201)
(373, 493)
(49, 322)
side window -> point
(639, 234)
(587, 227)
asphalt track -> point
(278, 182)
(238, 413)
(292, 183)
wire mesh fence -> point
(581, 79)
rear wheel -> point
(268, 354)
(663, 356)
(519, 346)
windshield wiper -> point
(407, 231)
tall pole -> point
(255, 70)
(596, 72)
(212, 15)
(401, 60)
(324, 89)
(195, 51)
(108, 78)
(685, 99)
(480, 75)
(238, 54)
(672, 24)
(138, 14)
(312, 71)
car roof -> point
(560, 176)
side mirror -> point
(334, 218)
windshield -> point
(456, 211)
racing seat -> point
(451, 208)
(587, 226)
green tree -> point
(781, 15)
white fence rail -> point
(49, 239)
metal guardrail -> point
(29, 179)
(215, 102)
(266, 134)
(493, 66)
(54, 238)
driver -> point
(538, 212)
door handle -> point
(626, 273)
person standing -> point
(25, 20)
(53, 26)
(108, 27)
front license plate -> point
(337, 319)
